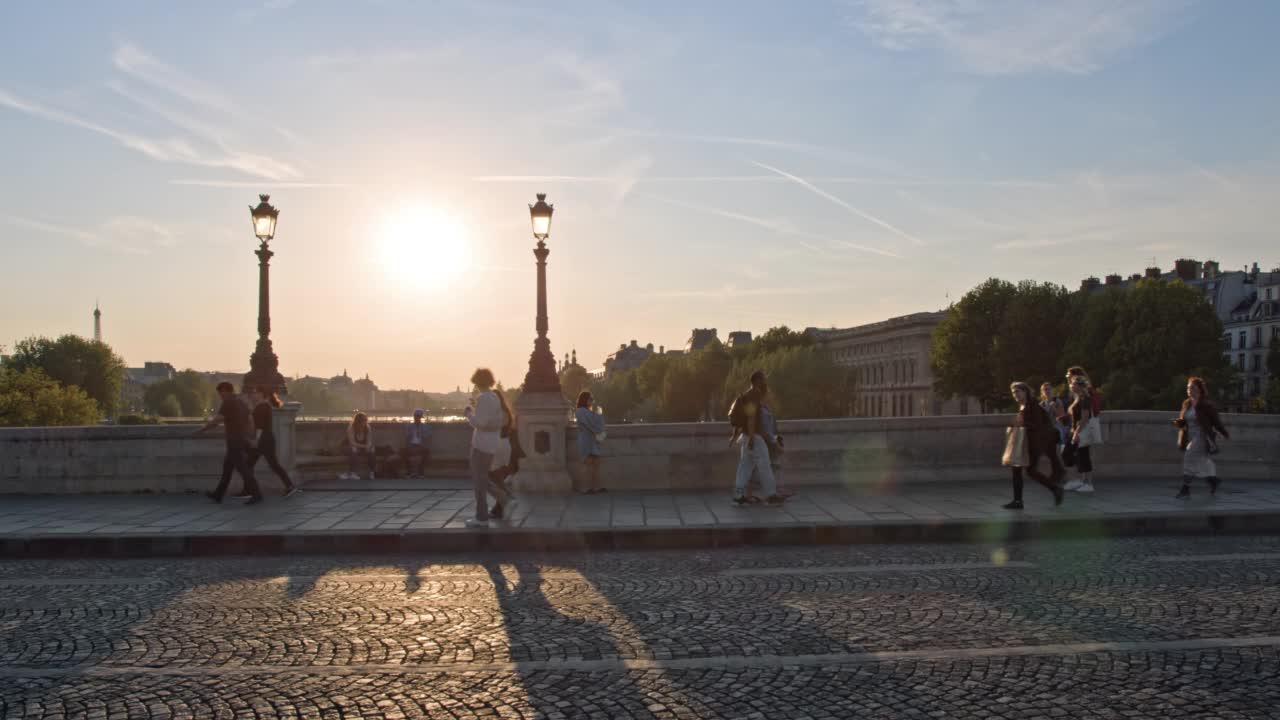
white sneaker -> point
(1085, 487)
(344, 476)
(474, 524)
(1073, 485)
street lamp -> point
(264, 366)
(540, 215)
(264, 219)
(542, 375)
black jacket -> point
(1207, 417)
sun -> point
(423, 247)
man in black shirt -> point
(235, 416)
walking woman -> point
(590, 428)
(360, 442)
(1057, 410)
(1198, 428)
(1082, 419)
(486, 417)
(264, 401)
(1041, 440)
(506, 461)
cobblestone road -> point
(1103, 629)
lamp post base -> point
(542, 419)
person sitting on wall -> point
(360, 442)
(417, 443)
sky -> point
(736, 165)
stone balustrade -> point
(854, 451)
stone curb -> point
(521, 540)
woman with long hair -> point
(1081, 412)
(1198, 428)
(1041, 440)
(485, 414)
(590, 427)
(265, 400)
(506, 461)
(360, 442)
(1057, 410)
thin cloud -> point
(246, 162)
(46, 227)
(1011, 37)
(138, 64)
(856, 211)
(196, 182)
(728, 292)
(174, 150)
(833, 179)
(780, 227)
(124, 233)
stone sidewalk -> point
(429, 519)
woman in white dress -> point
(1198, 428)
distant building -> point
(1252, 327)
(1247, 302)
(739, 338)
(700, 338)
(137, 380)
(364, 393)
(891, 360)
(628, 357)
(97, 323)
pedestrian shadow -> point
(571, 634)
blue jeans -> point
(755, 459)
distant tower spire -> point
(97, 323)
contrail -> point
(822, 193)
(779, 228)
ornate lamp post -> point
(264, 366)
(543, 412)
(542, 375)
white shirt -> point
(487, 420)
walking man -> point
(235, 417)
(753, 454)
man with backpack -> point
(753, 455)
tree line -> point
(1138, 344)
(804, 381)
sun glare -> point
(424, 248)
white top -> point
(487, 419)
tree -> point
(1163, 333)
(651, 376)
(683, 396)
(619, 395)
(1028, 344)
(712, 366)
(30, 398)
(573, 380)
(1091, 323)
(74, 361)
(778, 338)
(804, 382)
(965, 342)
(1273, 381)
(169, 407)
(193, 393)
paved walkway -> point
(421, 510)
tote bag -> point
(1092, 434)
(1016, 452)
